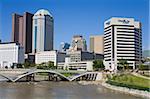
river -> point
(58, 90)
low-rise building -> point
(10, 54)
(79, 66)
(77, 56)
(54, 56)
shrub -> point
(128, 85)
(144, 67)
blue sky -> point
(85, 17)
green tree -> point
(12, 67)
(19, 66)
(28, 64)
(123, 64)
(42, 66)
(51, 65)
(98, 64)
(46, 65)
(143, 67)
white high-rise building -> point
(42, 31)
(11, 54)
(122, 40)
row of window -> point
(107, 44)
(123, 58)
(119, 26)
(107, 36)
(106, 39)
(107, 30)
(125, 31)
(124, 28)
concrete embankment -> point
(139, 93)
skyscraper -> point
(22, 30)
(122, 40)
(78, 43)
(42, 31)
(97, 44)
(16, 27)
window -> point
(35, 21)
(35, 35)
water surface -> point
(58, 90)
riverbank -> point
(130, 81)
(134, 92)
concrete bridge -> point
(21, 71)
(29, 75)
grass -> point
(42, 74)
(130, 81)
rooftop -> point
(43, 12)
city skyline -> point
(91, 17)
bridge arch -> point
(41, 71)
(8, 78)
(88, 75)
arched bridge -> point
(6, 77)
(53, 75)
(88, 76)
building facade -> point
(42, 31)
(30, 58)
(11, 54)
(22, 30)
(79, 66)
(97, 44)
(78, 43)
(46, 56)
(16, 27)
(78, 56)
(122, 40)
